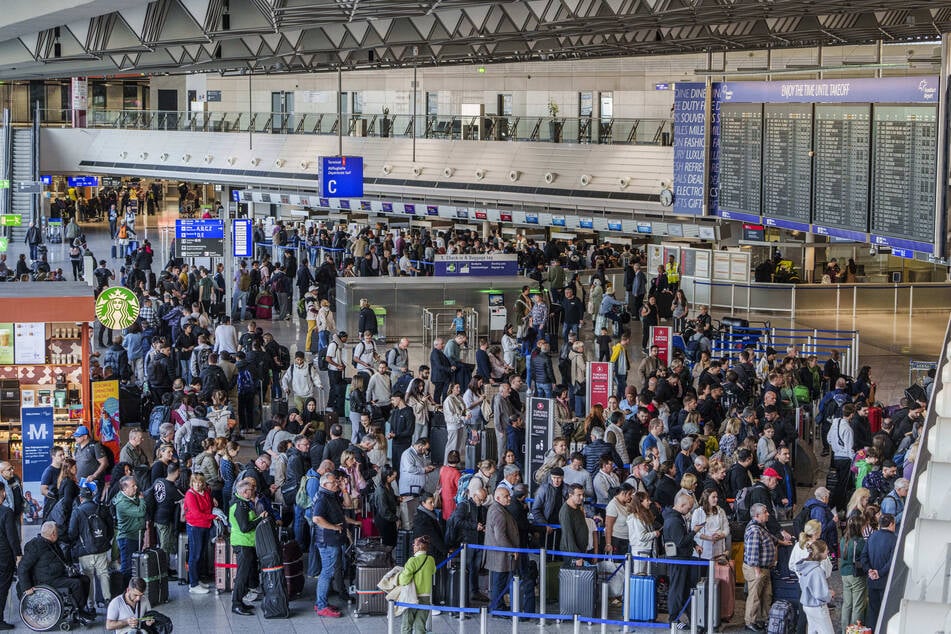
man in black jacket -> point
(677, 530)
(738, 476)
(298, 463)
(213, 378)
(666, 487)
(762, 493)
(467, 525)
(402, 425)
(160, 373)
(43, 564)
(9, 552)
(337, 445)
(441, 369)
(92, 539)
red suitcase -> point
(293, 558)
(726, 579)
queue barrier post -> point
(693, 611)
(605, 590)
(628, 571)
(514, 599)
(484, 620)
(577, 625)
(712, 600)
(542, 583)
(390, 618)
(463, 582)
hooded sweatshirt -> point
(812, 580)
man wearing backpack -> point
(242, 284)
(301, 381)
(840, 438)
(830, 408)
(116, 357)
(298, 465)
(91, 532)
(190, 436)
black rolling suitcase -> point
(446, 588)
(578, 590)
(404, 547)
(151, 565)
(438, 437)
(266, 546)
(664, 302)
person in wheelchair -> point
(43, 563)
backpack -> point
(245, 382)
(195, 439)
(782, 618)
(363, 348)
(463, 491)
(110, 359)
(244, 282)
(95, 533)
(402, 383)
(302, 500)
(832, 409)
(283, 357)
(61, 514)
(799, 522)
(201, 362)
(157, 417)
(741, 505)
(801, 392)
(301, 309)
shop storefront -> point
(44, 375)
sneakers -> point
(204, 584)
(251, 597)
(198, 590)
(328, 612)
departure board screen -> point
(787, 166)
(842, 151)
(741, 158)
(904, 165)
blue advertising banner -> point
(689, 147)
(480, 265)
(869, 90)
(37, 441)
(341, 176)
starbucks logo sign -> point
(117, 308)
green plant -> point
(552, 109)
(386, 111)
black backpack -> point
(196, 438)
(799, 522)
(96, 533)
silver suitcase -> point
(369, 598)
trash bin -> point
(380, 313)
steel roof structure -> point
(64, 38)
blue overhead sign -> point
(82, 181)
(46, 179)
(199, 228)
(341, 176)
(868, 90)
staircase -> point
(23, 170)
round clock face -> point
(666, 197)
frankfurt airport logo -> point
(928, 92)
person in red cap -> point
(762, 493)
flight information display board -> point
(842, 151)
(741, 158)
(787, 166)
(904, 154)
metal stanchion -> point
(712, 600)
(542, 583)
(628, 570)
(463, 582)
(577, 623)
(693, 611)
(604, 606)
(390, 618)
(514, 601)
(483, 620)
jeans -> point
(197, 543)
(301, 530)
(499, 583)
(875, 598)
(621, 384)
(543, 390)
(328, 562)
(338, 391)
(184, 370)
(239, 300)
(854, 599)
(127, 546)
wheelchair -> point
(48, 609)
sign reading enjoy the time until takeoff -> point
(117, 308)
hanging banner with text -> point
(37, 442)
(481, 265)
(540, 431)
(105, 409)
(600, 377)
(662, 337)
(690, 102)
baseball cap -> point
(82, 430)
(637, 462)
(770, 473)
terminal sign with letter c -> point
(341, 176)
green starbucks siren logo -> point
(117, 308)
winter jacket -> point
(198, 508)
(547, 503)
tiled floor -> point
(888, 342)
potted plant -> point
(386, 124)
(554, 126)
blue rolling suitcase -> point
(643, 603)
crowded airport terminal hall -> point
(475, 316)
